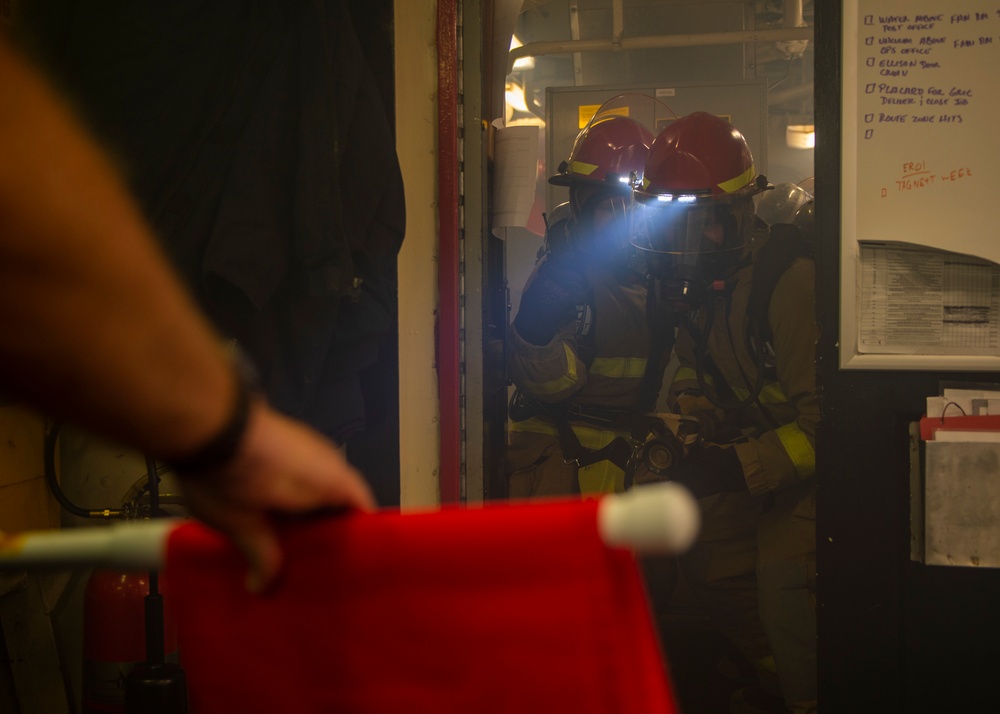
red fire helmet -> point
(700, 156)
(606, 153)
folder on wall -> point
(929, 426)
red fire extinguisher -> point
(130, 653)
(114, 636)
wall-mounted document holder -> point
(955, 491)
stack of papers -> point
(963, 414)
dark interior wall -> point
(376, 451)
(894, 635)
(373, 20)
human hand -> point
(710, 470)
(550, 301)
(708, 423)
(281, 467)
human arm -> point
(552, 297)
(544, 359)
(96, 329)
(88, 312)
(784, 456)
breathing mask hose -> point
(701, 358)
(154, 601)
(155, 686)
(661, 324)
(755, 347)
(757, 351)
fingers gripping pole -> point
(139, 546)
(661, 518)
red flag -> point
(507, 608)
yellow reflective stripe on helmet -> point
(590, 437)
(582, 167)
(770, 394)
(619, 367)
(798, 448)
(735, 184)
(564, 382)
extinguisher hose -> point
(154, 600)
(51, 438)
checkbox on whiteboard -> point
(870, 61)
(869, 118)
(869, 19)
(869, 133)
(870, 88)
(869, 40)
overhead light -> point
(514, 96)
(800, 136)
(517, 112)
(521, 63)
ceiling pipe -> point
(617, 21)
(792, 19)
(539, 49)
(793, 14)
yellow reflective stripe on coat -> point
(769, 394)
(619, 367)
(590, 437)
(689, 374)
(798, 447)
(564, 382)
(602, 477)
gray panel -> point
(689, 64)
(962, 504)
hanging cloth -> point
(508, 608)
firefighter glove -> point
(550, 302)
(711, 470)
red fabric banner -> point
(507, 608)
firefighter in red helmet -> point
(744, 297)
(581, 353)
(607, 157)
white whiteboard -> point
(921, 146)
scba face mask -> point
(601, 226)
(691, 244)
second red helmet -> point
(699, 155)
